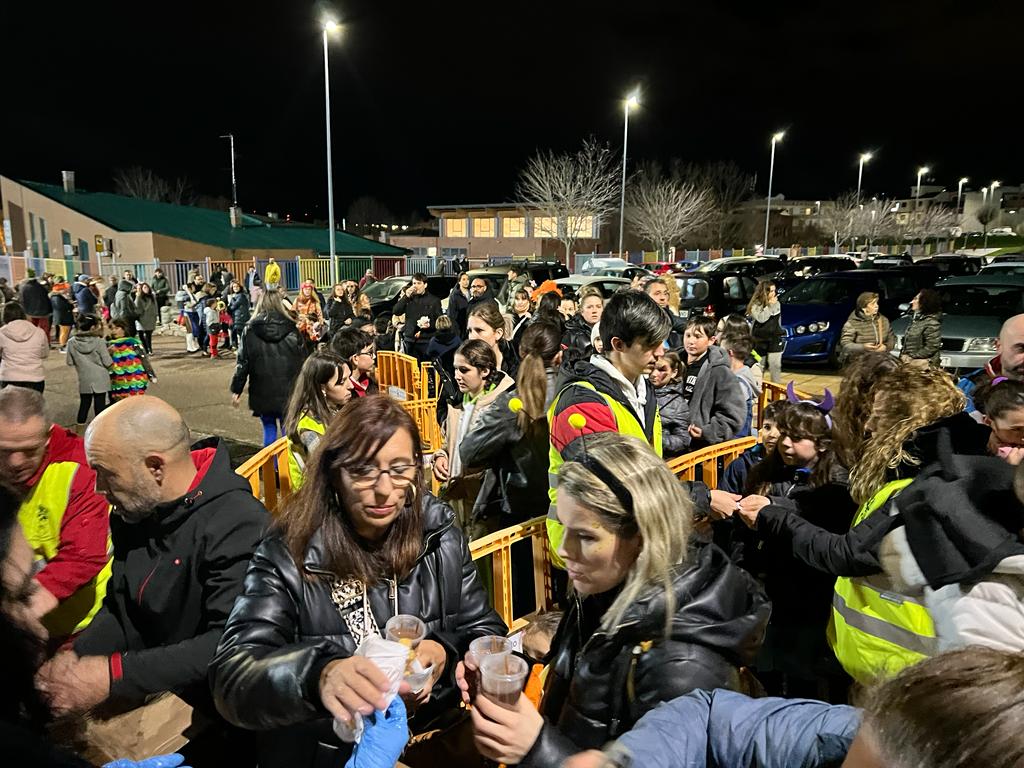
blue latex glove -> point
(384, 738)
(160, 761)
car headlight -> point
(980, 345)
(818, 327)
(801, 329)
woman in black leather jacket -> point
(360, 542)
(653, 616)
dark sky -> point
(443, 102)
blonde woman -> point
(654, 616)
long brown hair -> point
(799, 421)
(760, 298)
(539, 346)
(854, 401)
(353, 438)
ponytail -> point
(540, 345)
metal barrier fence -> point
(709, 460)
(268, 476)
(770, 392)
(399, 371)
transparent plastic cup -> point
(405, 629)
(479, 649)
(502, 676)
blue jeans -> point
(271, 427)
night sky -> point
(438, 103)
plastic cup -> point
(479, 649)
(405, 629)
(502, 676)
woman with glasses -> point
(360, 542)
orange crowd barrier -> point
(707, 459)
(267, 473)
(770, 392)
(395, 369)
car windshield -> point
(1000, 301)
(1004, 269)
(693, 288)
(383, 289)
(711, 266)
(822, 291)
(808, 268)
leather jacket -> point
(285, 628)
(600, 683)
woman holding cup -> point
(653, 615)
(360, 543)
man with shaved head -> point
(1009, 362)
(183, 527)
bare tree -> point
(181, 192)
(665, 210)
(985, 216)
(574, 189)
(368, 214)
(874, 221)
(144, 184)
(838, 220)
(729, 185)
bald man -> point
(1009, 362)
(183, 527)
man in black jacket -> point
(183, 528)
(421, 310)
(35, 300)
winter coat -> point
(600, 683)
(35, 298)
(577, 333)
(85, 298)
(721, 729)
(508, 291)
(718, 404)
(131, 372)
(442, 349)
(109, 295)
(675, 419)
(161, 288)
(23, 347)
(63, 311)
(272, 274)
(92, 362)
(861, 329)
(272, 355)
(175, 577)
(923, 338)
(124, 302)
(769, 336)
(286, 627)
(239, 307)
(515, 484)
(338, 311)
(750, 380)
(458, 310)
(414, 307)
(146, 312)
(462, 483)
(519, 325)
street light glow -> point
(964, 180)
(778, 136)
(923, 170)
(331, 26)
(633, 100)
(865, 157)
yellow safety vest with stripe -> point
(297, 453)
(40, 516)
(875, 631)
(625, 424)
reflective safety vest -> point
(625, 424)
(297, 453)
(40, 516)
(876, 631)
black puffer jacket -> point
(272, 354)
(285, 628)
(35, 298)
(577, 334)
(675, 419)
(923, 338)
(600, 684)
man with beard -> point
(1009, 362)
(64, 520)
(183, 526)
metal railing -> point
(709, 460)
(268, 476)
(770, 392)
(398, 370)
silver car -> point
(973, 310)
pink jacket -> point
(23, 347)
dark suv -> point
(803, 267)
(714, 293)
(384, 293)
(536, 271)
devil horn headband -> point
(827, 403)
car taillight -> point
(709, 309)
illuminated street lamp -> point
(631, 102)
(865, 157)
(960, 190)
(776, 138)
(920, 172)
(330, 28)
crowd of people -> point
(871, 538)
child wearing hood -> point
(88, 355)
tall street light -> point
(631, 102)
(865, 157)
(776, 138)
(330, 27)
(960, 191)
(992, 192)
(917, 195)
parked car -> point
(954, 264)
(1001, 232)
(714, 293)
(384, 293)
(1004, 268)
(671, 267)
(751, 266)
(808, 266)
(974, 308)
(890, 260)
(628, 272)
(814, 312)
(538, 272)
(607, 285)
(593, 265)
(1005, 257)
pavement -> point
(198, 387)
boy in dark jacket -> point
(421, 310)
(717, 404)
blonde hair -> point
(674, 297)
(905, 400)
(662, 514)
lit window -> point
(545, 226)
(483, 227)
(455, 227)
(581, 226)
(513, 226)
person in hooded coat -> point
(667, 379)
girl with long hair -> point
(340, 311)
(668, 379)
(653, 615)
(147, 312)
(487, 324)
(240, 309)
(310, 315)
(769, 337)
(361, 541)
(521, 315)
(323, 386)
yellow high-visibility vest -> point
(625, 424)
(297, 453)
(876, 631)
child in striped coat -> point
(131, 373)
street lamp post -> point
(992, 192)
(631, 101)
(960, 191)
(330, 27)
(865, 157)
(234, 186)
(917, 195)
(776, 138)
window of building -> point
(545, 226)
(419, 251)
(33, 244)
(42, 236)
(581, 226)
(452, 253)
(83, 251)
(513, 226)
(455, 227)
(483, 227)
(65, 241)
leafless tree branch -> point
(665, 210)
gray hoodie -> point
(91, 360)
(718, 404)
